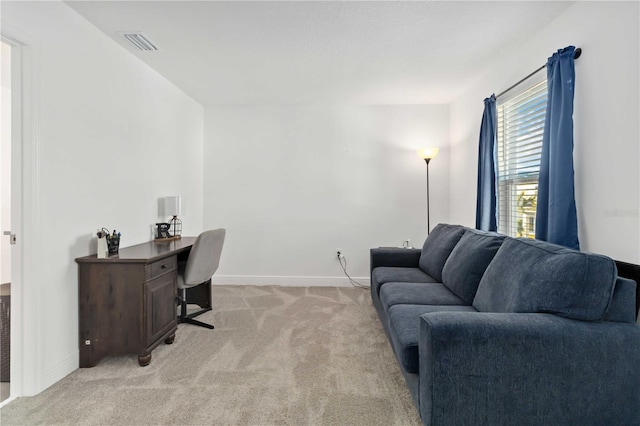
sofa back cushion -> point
(534, 276)
(437, 248)
(468, 261)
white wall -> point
(606, 112)
(292, 184)
(112, 137)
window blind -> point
(519, 145)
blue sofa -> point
(493, 330)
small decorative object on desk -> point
(103, 250)
(112, 240)
(163, 231)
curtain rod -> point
(576, 55)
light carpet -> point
(278, 356)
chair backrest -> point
(204, 257)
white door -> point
(5, 217)
(11, 166)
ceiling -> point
(322, 52)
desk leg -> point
(144, 360)
(169, 340)
(87, 361)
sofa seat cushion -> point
(437, 248)
(469, 259)
(417, 294)
(385, 274)
(404, 328)
(535, 276)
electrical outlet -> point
(339, 254)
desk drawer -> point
(161, 267)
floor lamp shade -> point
(428, 154)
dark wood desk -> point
(127, 302)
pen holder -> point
(113, 242)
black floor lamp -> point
(427, 154)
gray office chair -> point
(202, 263)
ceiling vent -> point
(140, 41)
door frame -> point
(26, 361)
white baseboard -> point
(60, 371)
(286, 281)
(8, 400)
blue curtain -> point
(486, 214)
(556, 217)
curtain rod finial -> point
(577, 53)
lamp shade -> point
(428, 153)
(172, 205)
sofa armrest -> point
(485, 368)
(398, 257)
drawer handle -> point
(163, 267)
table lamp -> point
(173, 207)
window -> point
(519, 146)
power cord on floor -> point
(343, 264)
